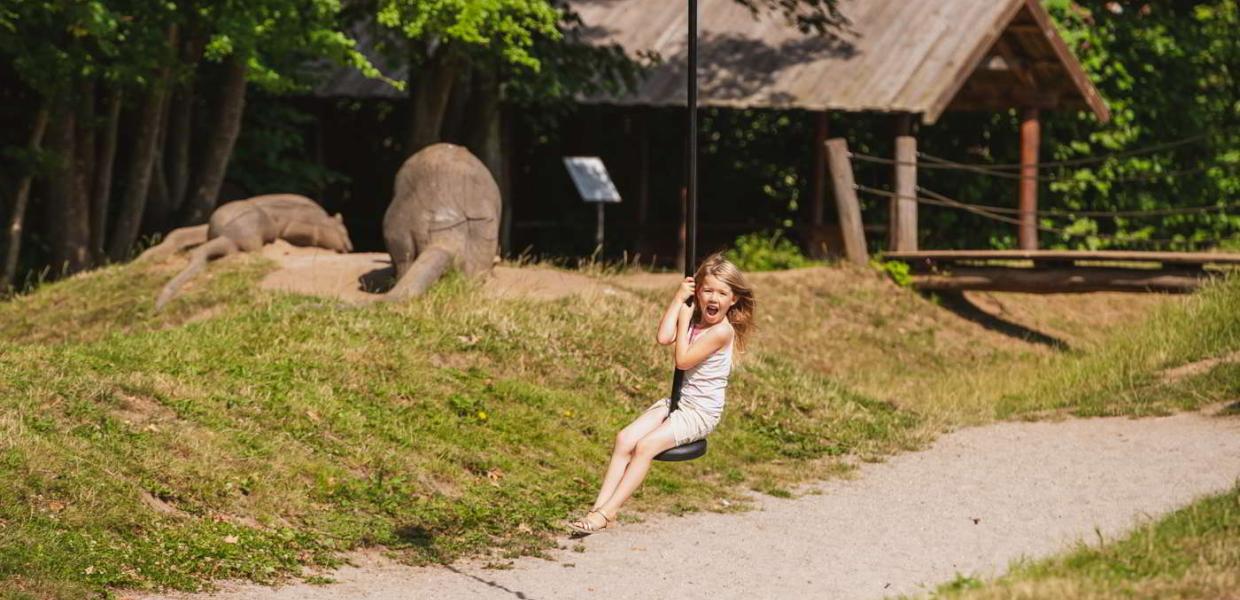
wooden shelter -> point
(912, 59)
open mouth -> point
(712, 310)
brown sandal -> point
(586, 526)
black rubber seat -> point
(688, 451)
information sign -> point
(591, 179)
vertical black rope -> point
(691, 225)
(691, 191)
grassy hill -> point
(244, 433)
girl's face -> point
(715, 298)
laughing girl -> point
(704, 334)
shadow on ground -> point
(961, 306)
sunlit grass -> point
(283, 428)
(242, 433)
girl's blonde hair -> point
(741, 315)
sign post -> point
(594, 184)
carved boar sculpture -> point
(245, 225)
(445, 213)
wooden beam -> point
(1093, 256)
(1015, 63)
(1059, 281)
(996, 96)
(1030, 140)
(846, 201)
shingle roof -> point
(911, 56)
(915, 56)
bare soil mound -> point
(1070, 319)
(357, 277)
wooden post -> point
(846, 201)
(507, 149)
(902, 235)
(1030, 139)
(818, 173)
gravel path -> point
(977, 500)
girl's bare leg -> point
(649, 447)
(622, 452)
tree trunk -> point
(484, 134)
(431, 91)
(455, 127)
(218, 151)
(155, 218)
(180, 126)
(505, 184)
(68, 217)
(138, 181)
(179, 133)
(84, 187)
(20, 202)
(103, 176)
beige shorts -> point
(689, 424)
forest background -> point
(120, 119)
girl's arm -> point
(688, 355)
(667, 326)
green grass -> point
(1192, 553)
(1124, 376)
(284, 429)
(242, 434)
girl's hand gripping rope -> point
(685, 292)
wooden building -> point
(914, 60)
(909, 61)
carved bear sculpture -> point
(245, 225)
(445, 213)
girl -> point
(704, 334)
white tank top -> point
(705, 383)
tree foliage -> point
(503, 28)
(79, 58)
(1168, 72)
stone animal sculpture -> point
(245, 226)
(444, 213)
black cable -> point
(941, 200)
(678, 378)
(1154, 212)
(944, 164)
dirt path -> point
(977, 500)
